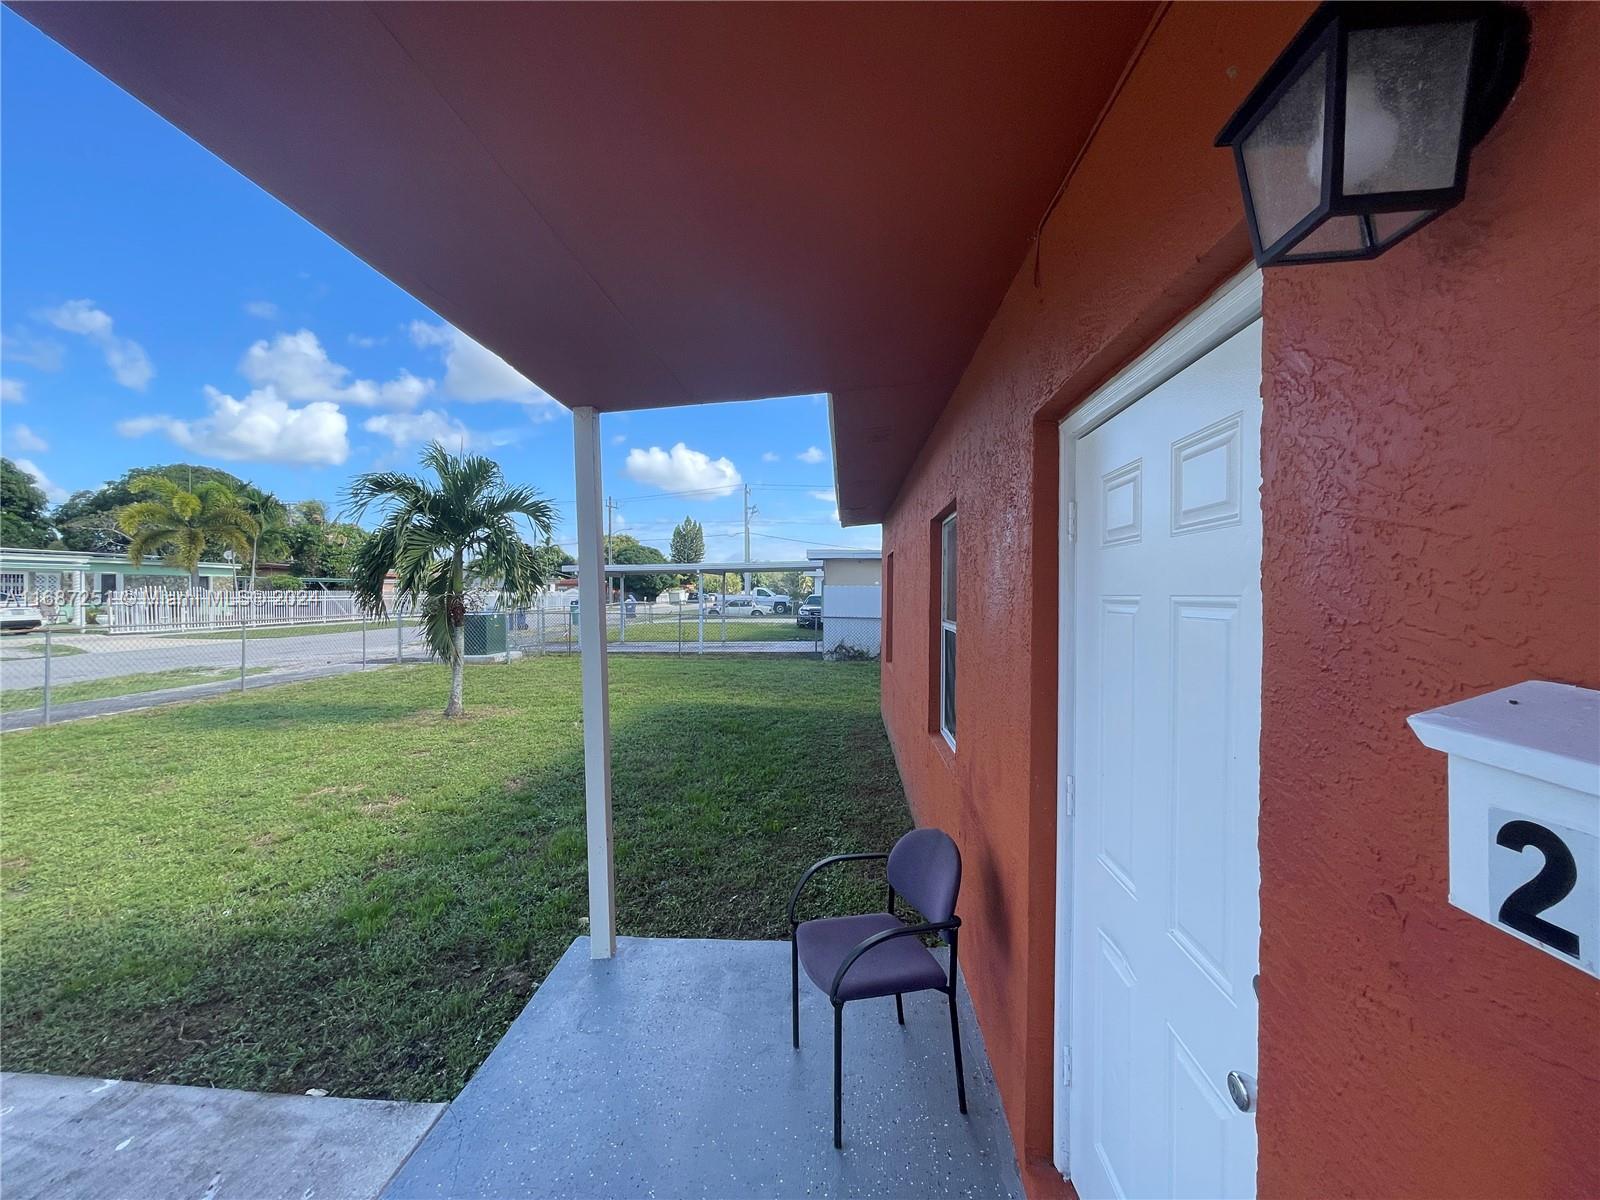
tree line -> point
(280, 543)
(184, 513)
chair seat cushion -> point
(901, 964)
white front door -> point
(1166, 719)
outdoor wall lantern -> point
(1359, 134)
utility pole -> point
(611, 508)
(748, 509)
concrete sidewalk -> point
(96, 1139)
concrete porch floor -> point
(668, 1072)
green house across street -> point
(62, 583)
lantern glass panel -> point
(1405, 102)
(1283, 154)
(1336, 235)
(1391, 227)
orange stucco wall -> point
(1432, 529)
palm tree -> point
(269, 514)
(437, 538)
(178, 523)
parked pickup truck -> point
(758, 602)
(809, 614)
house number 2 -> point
(1554, 882)
(1544, 884)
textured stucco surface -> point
(1432, 429)
(1432, 531)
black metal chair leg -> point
(838, 1076)
(899, 1009)
(955, 1042)
(794, 985)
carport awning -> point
(662, 204)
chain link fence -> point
(661, 628)
(59, 674)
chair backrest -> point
(925, 868)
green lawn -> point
(329, 885)
(16, 699)
(737, 629)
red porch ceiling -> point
(655, 205)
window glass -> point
(947, 631)
(947, 559)
(948, 711)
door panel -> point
(1166, 678)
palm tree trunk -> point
(458, 656)
(254, 545)
(458, 643)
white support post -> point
(596, 701)
(700, 591)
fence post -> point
(540, 624)
(399, 637)
(244, 639)
(47, 676)
(700, 591)
(622, 616)
(363, 639)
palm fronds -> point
(435, 537)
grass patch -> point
(16, 699)
(328, 885)
(34, 648)
(374, 629)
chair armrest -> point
(817, 866)
(877, 939)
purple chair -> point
(878, 954)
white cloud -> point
(260, 428)
(13, 391)
(20, 437)
(297, 368)
(682, 470)
(826, 496)
(366, 343)
(474, 373)
(412, 429)
(52, 493)
(129, 364)
(618, 438)
(265, 309)
(29, 350)
(769, 456)
(811, 455)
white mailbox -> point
(1525, 812)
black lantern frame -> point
(1499, 52)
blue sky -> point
(158, 307)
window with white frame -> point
(947, 629)
(13, 583)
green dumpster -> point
(486, 633)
